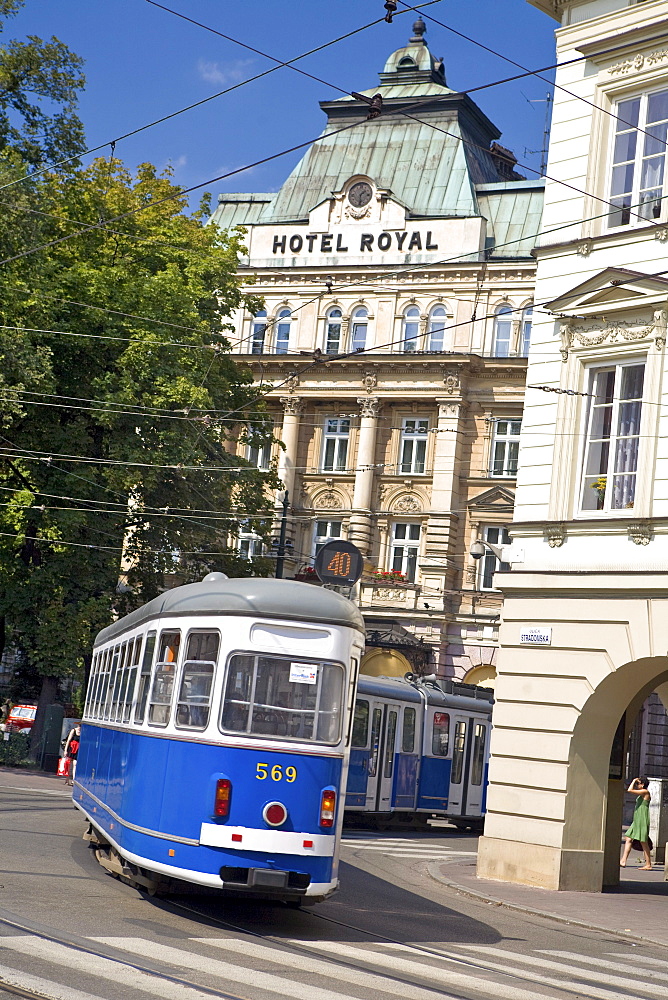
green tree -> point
(116, 413)
(39, 84)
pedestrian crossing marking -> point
(268, 981)
(43, 987)
(542, 963)
(97, 965)
(604, 964)
(448, 977)
(318, 966)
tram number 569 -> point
(276, 773)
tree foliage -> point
(118, 395)
(39, 84)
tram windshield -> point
(282, 697)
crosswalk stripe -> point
(230, 973)
(44, 987)
(427, 851)
(605, 964)
(96, 965)
(567, 970)
(444, 977)
(646, 960)
(318, 966)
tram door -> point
(460, 739)
(469, 742)
(384, 725)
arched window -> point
(411, 329)
(283, 331)
(333, 332)
(503, 327)
(438, 318)
(258, 332)
(359, 324)
(527, 318)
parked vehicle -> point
(419, 748)
(21, 719)
(214, 742)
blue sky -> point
(142, 63)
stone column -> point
(293, 407)
(445, 497)
(360, 520)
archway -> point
(484, 675)
(595, 791)
(385, 663)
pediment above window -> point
(614, 290)
(498, 498)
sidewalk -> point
(637, 910)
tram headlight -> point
(327, 807)
(221, 804)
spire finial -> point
(419, 28)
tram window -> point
(440, 734)
(375, 740)
(160, 701)
(458, 747)
(144, 677)
(478, 761)
(92, 683)
(361, 724)
(389, 744)
(279, 696)
(112, 686)
(408, 732)
(194, 701)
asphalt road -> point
(69, 931)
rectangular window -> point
(144, 678)
(324, 532)
(505, 447)
(489, 564)
(258, 333)
(333, 334)
(478, 757)
(376, 723)
(283, 697)
(92, 684)
(259, 455)
(612, 438)
(358, 342)
(163, 679)
(440, 734)
(194, 702)
(638, 159)
(361, 724)
(249, 545)
(413, 448)
(335, 445)
(408, 731)
(405, 549)
(458, 748)
(390, 737)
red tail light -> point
(327, 807)
(221, 804)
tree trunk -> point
(47, 696)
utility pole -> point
(280, 552)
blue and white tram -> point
(419, 748)
(214, 739)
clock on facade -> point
(360, 194)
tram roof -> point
(254, 597)
(451, 695)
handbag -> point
(637, 846)
(63, 767)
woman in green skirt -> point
(639, 829)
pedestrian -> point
(639, 829)
(71, 751)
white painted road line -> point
(224, 970)
(43, 987)
(452, 977)
(95, 965)
(632, 962)
(318, 966)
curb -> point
(482, 897)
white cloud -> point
(223, 73)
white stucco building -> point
(584, 638)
